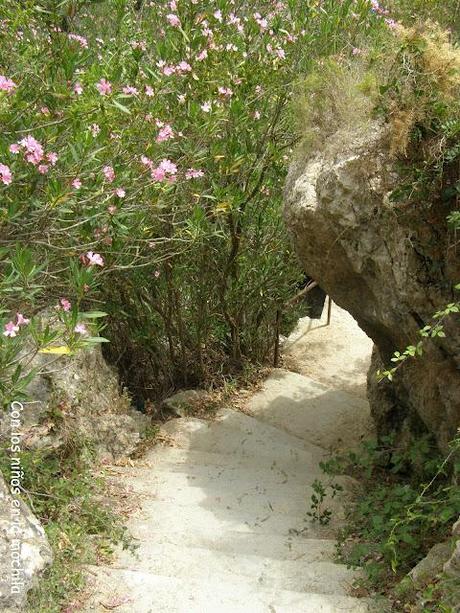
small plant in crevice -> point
(319, 512)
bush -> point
(143, 170)
(406, 502)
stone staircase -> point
(222, 525)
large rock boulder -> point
(391, 268)
(78, 398)
(24, 551)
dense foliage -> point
(143, 154)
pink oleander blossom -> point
(78, 89)
(191, 173)
(65, 304)
(34, 150)
(21, 320)
(6, 176)
(173, 20)
(120, 192)
(81, 40)
(76, 183)
(183, 67)
(14, 148)
(226, 92)
(166, 133)
(6, 85)
(168, 70)
(104, 87)
(52, 158)
(94, 259)
(158, 174)
(109, 173)
(11, 329)
(81, 329)
(168, 166)
(129, 90)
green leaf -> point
(93, 314)
(121, 107)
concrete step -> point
(277, 546)
(197, 563)
(224, 490)
(234, 432)
(309, 410)
(132, 591)
(163, 455)
(217, 517)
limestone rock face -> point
(391, 268)
(21, 536)
(79, 397)
(452, 566)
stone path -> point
(222, 520)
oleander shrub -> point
(143, 151)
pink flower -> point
(356, 51)
(202, 55)
(6, 85)
(129, 90)
(34, 150)
(165, 134)
(169, 70)
(81, 40)
(21, 320)
(11, 329)
(149, 91)
(80, 329)
(156, 274)
(94, 259)
(43, 169)
(52, 158)
(120, 192)
(112, 209)
(45, 110)
(168, 166)
(76, 183)
(173, 20)
(183, 67)
(146, 161)
(104, 87)
(226, 92)
(65, 304)
(109, 173)
(94, 129)
(14, 148)
(193, 174)
(78, 89)
(6, 175)
(206, 107)
(158, 174)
